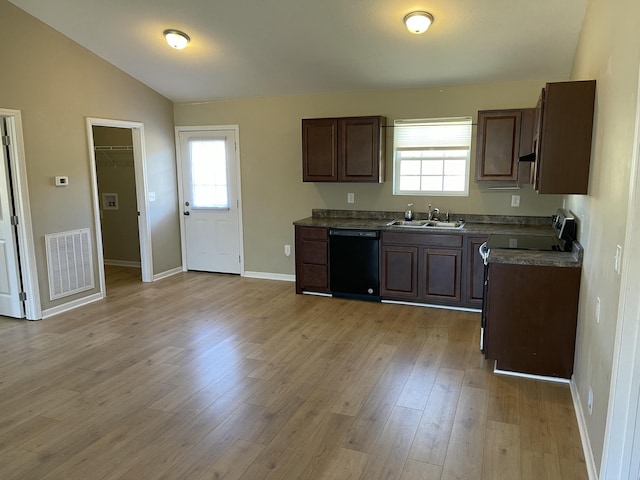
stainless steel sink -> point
(425, 224)
(407, 223)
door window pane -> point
(209, 173)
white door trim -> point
(625, 375)
(33, 309)
(209, 128)
(139, 163)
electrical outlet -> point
(515, 200)
(618, 259)
(597, 309)
(351, 197)
(287, 250)
(590, 401)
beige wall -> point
(270, 144)
(609, 51)
(56, 84)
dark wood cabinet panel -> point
(527, 144)
(473, 272)
(399, 272)
(422, 268)
(531, 318)
(320, 150)
(563, 139)
(440, 274)
(497, 145)
(312, 259)
(349, 149)
(504, 135)
(359, 153)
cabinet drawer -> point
(313, 233)
(425, 239)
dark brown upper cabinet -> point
(562, 142)
(502, 137)
(350, 149)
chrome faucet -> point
(432, 213)
(429, 213)
(436, 214)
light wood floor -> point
(202, 376)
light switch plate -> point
(152, 196)
(351, 197)
(515, 200)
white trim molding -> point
(592, 471)
(122, 263)
(72, 305)
(270, 276)
(168, 273)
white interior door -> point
(210, 200)
(10, 303)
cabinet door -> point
(474, 272)
(399, 272)
(440, 274)
(312, 260)
(564, 141)
(498, 145)
(360, 149)
(527, 144)
(320, 150)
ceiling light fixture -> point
(176, 39)
(418, 22)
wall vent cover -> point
(69, 262)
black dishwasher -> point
(353, 263)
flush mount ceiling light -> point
(418, 22)
(176, 39)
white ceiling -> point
(243, 48)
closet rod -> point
(112, 147)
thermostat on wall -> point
(62, 181)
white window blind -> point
(432, 156)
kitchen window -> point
(432, 156)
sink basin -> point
(407, 223)
(425, 224)
(446, 224)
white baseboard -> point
(167, 273)
(270, 276)
(122, 263)
(50, 312)
(592, 471)
(431, 305)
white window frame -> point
(401, 124)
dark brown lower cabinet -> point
(440, 274)
(399, 272)
(421, 268)
(473, 272)
(531, 319)
(312, 259)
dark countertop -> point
(474, 224)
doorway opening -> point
(120, 199)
